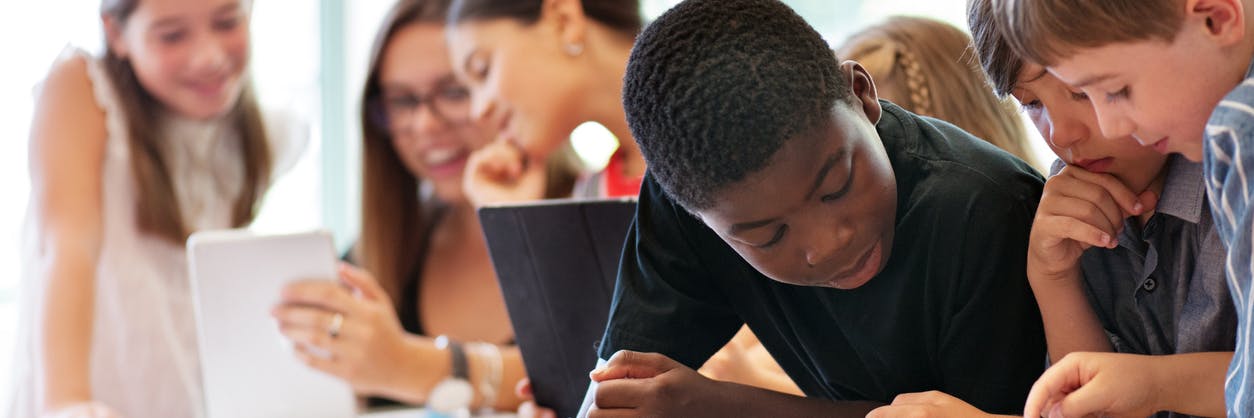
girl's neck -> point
(609, 64)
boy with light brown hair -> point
(1175, 75)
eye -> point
(779, 235)
(844, 189)
(1031, 106)
(1118, 95)
(172, 37)
(401, 102)
(226, 24)
(1078, 96)
(454, 93)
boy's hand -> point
(651, 384)
(1078, 210)
(932, 404)
(1098, 384)
(501, 172)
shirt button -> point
(1149, 285)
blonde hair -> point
(931, 61)
(157, 207)
(1048, 30)
(394, 218)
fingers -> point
(1085, 201)
(1050, 387)
(299, 316)
(523, 389)
(627, 364)
(529, 409)
(325, 294)
(1129, 201)
(317, 360)
(305, 338)
(623, 393)
(1077, 230)
(363, 283)
(498, 161)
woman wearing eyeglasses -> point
(432, 329)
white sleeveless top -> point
(144, 361)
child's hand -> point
(1098, 384)
(529, 408)
(367, 329)
(652, 385)
(501, 172)
(927, 405)
(1079, 210)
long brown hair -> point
(932, 62)
(157, 207)
(394, 218)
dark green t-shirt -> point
(951, 311)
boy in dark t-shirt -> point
(873, 252)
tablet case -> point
(556, 262)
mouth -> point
(445, 162)
(208, 88)
(1100, 165)
(861, 272)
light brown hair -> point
(1048, 30)
(157, 209)
(932, 61)
(394, 217)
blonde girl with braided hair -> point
(925, 65)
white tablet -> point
(247, 367)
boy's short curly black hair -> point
(714, 88)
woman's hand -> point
(347, 329)
(501, 172)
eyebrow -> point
(1038, 76)
(818, 181)
(1085, 82)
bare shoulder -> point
(67, 116)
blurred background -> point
(309, 59)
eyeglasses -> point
(449, 103)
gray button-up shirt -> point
(1163, 289)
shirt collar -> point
(1184, 190)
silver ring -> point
(337, 321)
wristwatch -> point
(455, 393)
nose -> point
(825, 244)
(1113, 122)
(1065, 130)
(425, 120)
(209, 55)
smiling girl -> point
(130, 153)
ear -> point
(113, 36)
(1223, 20)
(863, 90)
(570, 21)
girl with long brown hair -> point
(130, 153)
(425, 268)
